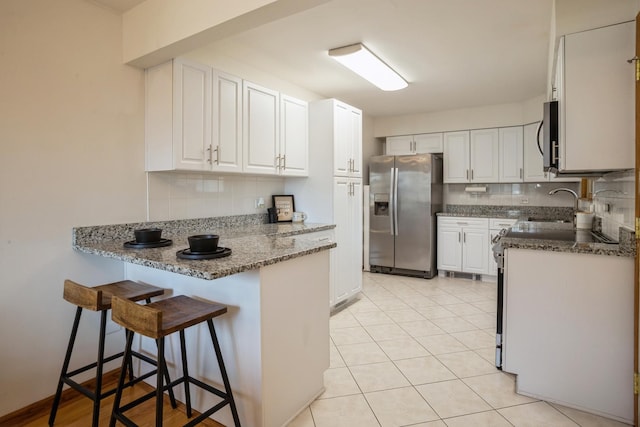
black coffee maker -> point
(273, 215)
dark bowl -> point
(203, 243)
(148, 235)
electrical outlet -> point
(524, 201)
(260, 203)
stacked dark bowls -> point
(203, 243)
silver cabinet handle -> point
(210, 159)
(464, 237)
(467, 173)
(462, 223)
(459, 237)
(471, 174)
(284, 162)
(278, 162)
(521, 174)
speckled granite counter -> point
(625, 248)
(560, 246)
(253, 244)
(513, 212)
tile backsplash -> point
(614, 202)
(525, 194)
(173, 195)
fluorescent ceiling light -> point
(361, 61)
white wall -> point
(71, 153)
(501, 115)
(194, 195)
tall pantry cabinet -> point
(333, 191)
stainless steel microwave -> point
(550, 143)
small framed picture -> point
(284, 207)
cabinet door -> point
(510, 154)
(456, 157)
(355, 143)
(341, 270)
(294, 136)
(475, 244)
(225, 152)
(485, 150)
(449, 248)
(342, 140)
(191, 114)
(598, 107)
(399, 145)
(428, 143)
(355, 229)
(260, 134)
(532, 165)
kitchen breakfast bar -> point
(275, 335)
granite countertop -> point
(253, 244)
(509, 212)
(625, 248)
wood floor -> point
(75, 410)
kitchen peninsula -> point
(275, 335)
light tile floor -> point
(415, 352)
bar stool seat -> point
(99, 298)
(156, 321)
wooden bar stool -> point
(99, 298)
(157, 320)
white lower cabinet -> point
(463, 244)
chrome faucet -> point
(568, 190)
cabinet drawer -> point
(322, 236)
(461, 221)
(501, 222)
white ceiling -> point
(454, 53)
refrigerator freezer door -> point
(380, 211)
(413, 248)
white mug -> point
(299, 216)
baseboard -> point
(43, 407)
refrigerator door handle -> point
(395, 201)
(391, 198)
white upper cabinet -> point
(177, 116)
(261, 130)
(485, 155)
(294, 137)
(596, 99)
(225, 153)
(200, 119)
(347, 152)
(414, 144)
(456, 157)
(511, 160)
(399, 145)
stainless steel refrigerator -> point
(404, 195)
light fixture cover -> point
(362, 61)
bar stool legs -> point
(157, 320)
(99, 299)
